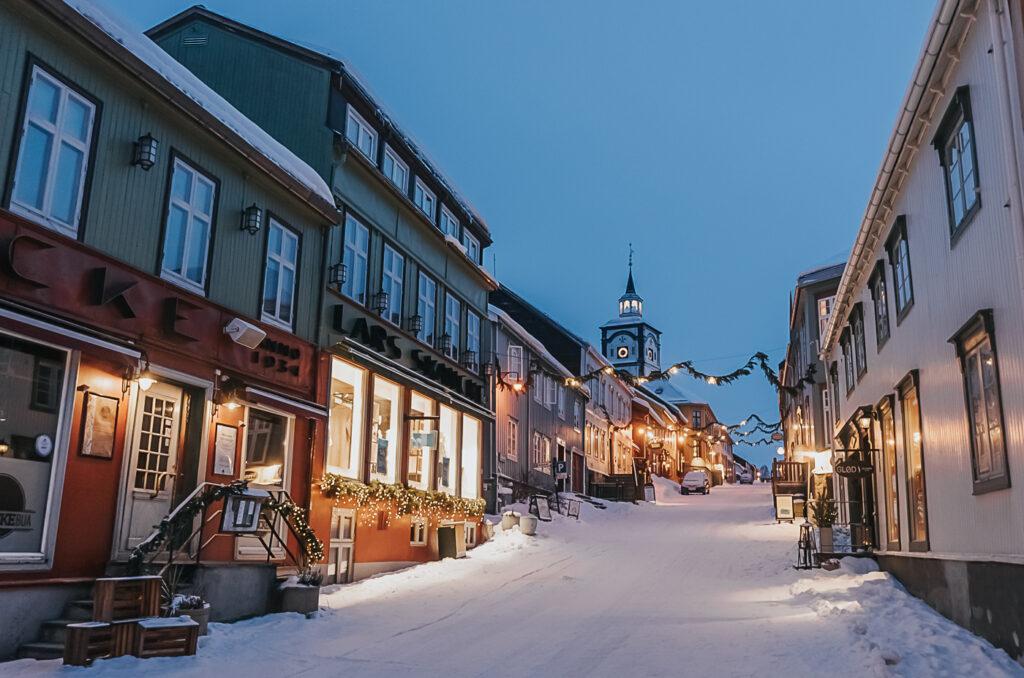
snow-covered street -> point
(690, 586)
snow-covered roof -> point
(671, 393)
(122, 36)
(820, 274)
(615, 322)
(498, 315)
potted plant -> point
(824, 512)
(190, 605)
(301, 594)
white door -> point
(152, 463)
(342, 545)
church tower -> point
(629, 342)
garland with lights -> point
(398, 500)
(760, 421)
(182, 520)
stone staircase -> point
(53, 634)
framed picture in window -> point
(99, 425)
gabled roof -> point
(821, 274)
(497, 315)
(154, 67)
(327, 59)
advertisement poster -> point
(224, 450)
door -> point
(577, 473)
(341, 547)
(152, 462)
(266, 464)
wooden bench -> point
(165, 637)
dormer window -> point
(361, 134)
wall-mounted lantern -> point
(252, 219)
(380, 302)
(415, 324)
(469, 360)
(446, 343)
(144, 154)
(337, 274)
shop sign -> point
(23, 494)
(371, 336)
(447, 376)
(855, 467)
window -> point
(396, 170)
(550, 392)
(954, 142)
(881, 300)
(899, 259)
(279, 275)
(826, 407)
(577, 415)
(361, 134)
(266, 448)
(470, 529)
(345, 424)
(834, 373)
(385, 426)
(449, 224)
(561, 401)
(472, 340)
(422, 440)
(54, 156)
(424, 198)
(891, 479)
(975, 347)
(187, 231)
(447, 448)
(418, 531)
(515, 363)
(426, 303)
(472, 245)
(917, 510)
(540, 453)
(696, 419)
(848, 362)
(512, 440)
(356, 259)
(452, 323)
(472, 444)
(392, 281)
(857, 329)
(824, 313)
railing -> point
(852, 533)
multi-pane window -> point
(279, 276)
(561, 401)
(472, 245)
(848, 362)
(955, 144)
(892, 501)
(857, 329)
(426, 308)
(834, 374)
(696, 419)
(425, 200)
(824, 313)
(449, 224)
(395, 169)
(880, 295)
(514, 369)
(361, 134)
(917, 508)
(187, 232)
(55, 147)
(418, 531)
(551, 391)
(473, 339)
(540, 452)
(392, 281)
(356, 259)
(975, 345)
(512, 440)
(577, 414)
(899, 259)
(452, 324)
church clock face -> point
(650, 354)
(622, 352)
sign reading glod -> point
(855, 467)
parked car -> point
(765, 474)
(695, 481)
(746, 478)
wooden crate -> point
(119, 598)
(87, 641)
(165, 637)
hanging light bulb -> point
(146, 380)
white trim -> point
(397, 162)
(451, 219)
(353, 116)
(421, 522)
(192, 213)
(274, 317)
(432, 214)
(70, 334)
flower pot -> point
(200, 615)
(299, 598)
(509, 520)
(528, 524)
(825, 539)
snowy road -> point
(697, 586)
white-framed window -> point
(187, 232)
(345, 430)
(472, 245)
(473, 337)
(449, 224)
(453, 323)
(470, 529)
(426, 307)
(392, 281)
(824, 313)
(425, 200)
(577, 414)
(361, 134)
(561, 401)
(54, 156)
(512, 439)
(418, 531)
(395, 169)
(514, 368)
(356, 259)
(551, 390)
(279, 275)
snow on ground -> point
(688, 586)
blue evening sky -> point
(734, 144)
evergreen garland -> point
(400, 500)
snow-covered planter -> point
(528, 524)
(192, 606)
(509, 519)
(300, 594)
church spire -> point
(631, 304)
(630, 287)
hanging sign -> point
(561, 469)
(854, 467)
(777, 436)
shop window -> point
(418, 531)
(917, 507)
(345, 434)
(393, 283)
(266, 448)
(426, 308)
(471, 450)
(53, 158)
(891, 478)
(190, 205)
(975, 346)
(384, 429)
(30, 442)
(279, 275)
(447, 446)
(422, 441)
(470, 532)
(355, 257)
